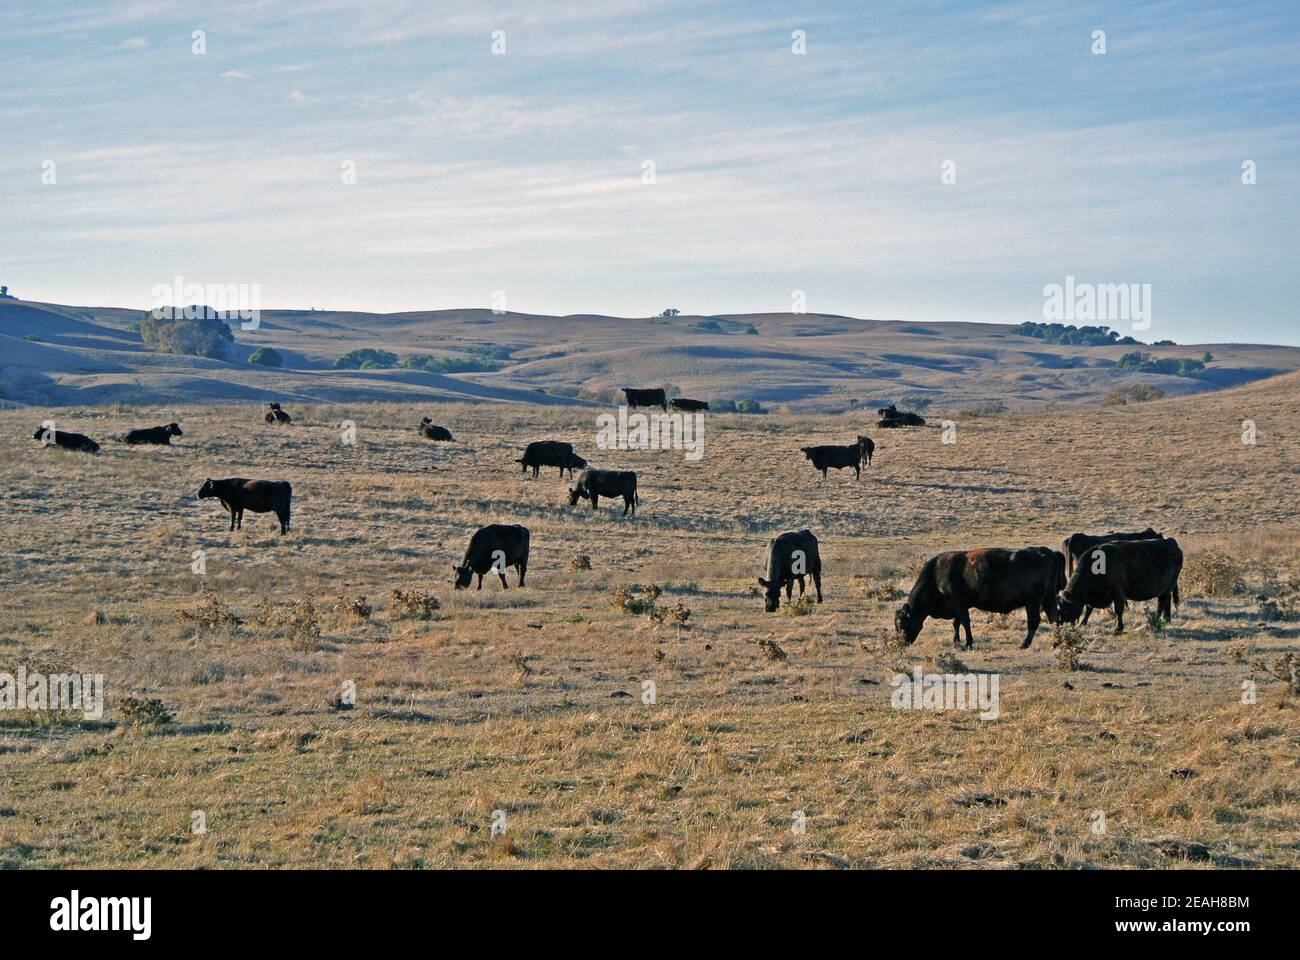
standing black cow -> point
(790, 557)
(831, 455)
(593, 484)
(688, 406)
(155, 435)
(550, 453)
(67, 441)
(993, 579)
(1076, 544)
(646, 398)
(1114, 573)
(494, 547)
(275, 415)
(432, 431)
(261, 496)
(868, 448)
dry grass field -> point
(529, 701)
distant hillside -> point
(54, 355)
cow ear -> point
(762, 582)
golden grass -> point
(536, 702)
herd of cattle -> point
(1091, 571)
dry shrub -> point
(798, 608)
(625, 598)
(945, 662)
(1138, 393)
(1068, 641)
(210, 613)
(1213, 575)
(580, 562)
(1285, 668)
(300, 622)
(143, 712)
(881, 592)
(414, 604)
(356, 608)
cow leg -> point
(595, 499)
(1033, 619)
(956, 630)
(789, 588)
(480, 582)
(964, 615)
(522, 567)
(239, 524)
(1119, 616)
(627, 505)
(823, 473)
(1087, 612)
(857, 471)
(817, 582)
(502, 575)
(800, 579)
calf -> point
(156, 435)
(646, 398)
(790, 557)
(550, 453)
(261, 496)
(830, 455)
(688, 406)
(993, 579)
(593, 484)
(1111, 574)
(275, 415)
(431, 430)
(68, 441)
(494, 548)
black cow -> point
(891, 416)
(1077, 544)
(831, 455)
(868, 448)
(494, 547)
(68, 441)
(688, 406)
(431, 430)
(156, 435)
(790, 557)
(261, 496)
(993, 579)
(593, 484)
(276, 415)
(551, 453)
(646, 398)
(1114, 573)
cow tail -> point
(1177, 602)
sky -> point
(918, 161)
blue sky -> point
(774, 172)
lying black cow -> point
(261, 496)
(688, 406)
(593, 484)
(646, 398)
(790, 557)
(830, 455)
(276, 415)
(67, 441)
(432, 431)
(1077, 544)
(494, 547)
(1111, 574)
(551, 453)
(891, 416)
(993, 579)
(156, 435)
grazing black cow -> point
(68, 441)
(688, 406)
(261, 496)
(431, 430)
(830, 455)
(593, 484)
(156, 435)
(1114, 573)
(993, 579)
(891, 416)
(276, 415)
(790, 557)
(868, 448)
(550, 453)
(646, 398)
(494, 547)
(1077, 544)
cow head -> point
(1067, 609)
(425, 420)
(463, 576)
(209, 489)
(772, 597)
(576, 462)
(174, 429)
(807, 452)
(574, 494)
(908, 622)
